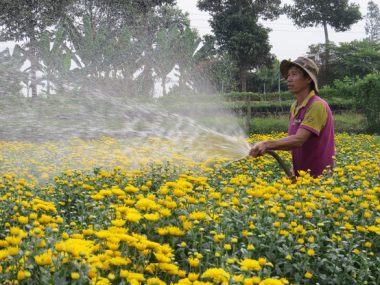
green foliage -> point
(220, 68)
(339, 14)
(368, 100)
(340, 89)
(351, 59)
(346, 122)
(10, 74)
(237, 31)
(28, 21)
(267, 78)
(20, 20)
(364, 94)
(253, 96)
(372, 23)
(357, 58)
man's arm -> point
(287, 143)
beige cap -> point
(306, 64)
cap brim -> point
(284, 67)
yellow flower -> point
(21, 275)
(92, 272)
(44, 259)
(262, 261)
(310, 252)
(271, 281)
(193, 276)
(216, 274)
(41, 244)
(197, 215)
(152, 217)
(193, 262)
(308, 275)
(250, 264)
(311, 239)
(23, 220)
(13, 250)
(252, 280)
(155, 281)
(118, 223)
(75, 275)
(13, 240)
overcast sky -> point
(287, 40)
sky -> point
(287, 41)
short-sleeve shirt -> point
(317, 153)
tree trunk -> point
(243, 79)
(243, 88)
(48, 87)
(33, 65)
(163, 83)
(327, 49)
(326, 33)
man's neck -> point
(302, 95)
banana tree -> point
(55, 58)
(165, 52)
(188, 46)
(11, 75)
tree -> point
(338, 14)
(237, 31)
(319, 54)
(22, 20)
(10, 74)
(187, 56)
(164, 56)
(268, 78)
(117, 39)
(215, 67)
(372, 24)
(357, 58)
(351, 59)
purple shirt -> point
(316, 154)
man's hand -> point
(258, 149)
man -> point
(311, 128)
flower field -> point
(98, 212)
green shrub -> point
(348, 122)
(242, 96)
(368, 100)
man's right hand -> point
(258, 149)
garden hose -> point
(281, 163)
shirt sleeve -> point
(315, 118)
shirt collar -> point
(303, 103)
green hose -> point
(281, 162)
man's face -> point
(297, 81)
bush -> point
(368, 100)
(364, 94)
(242, 96)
